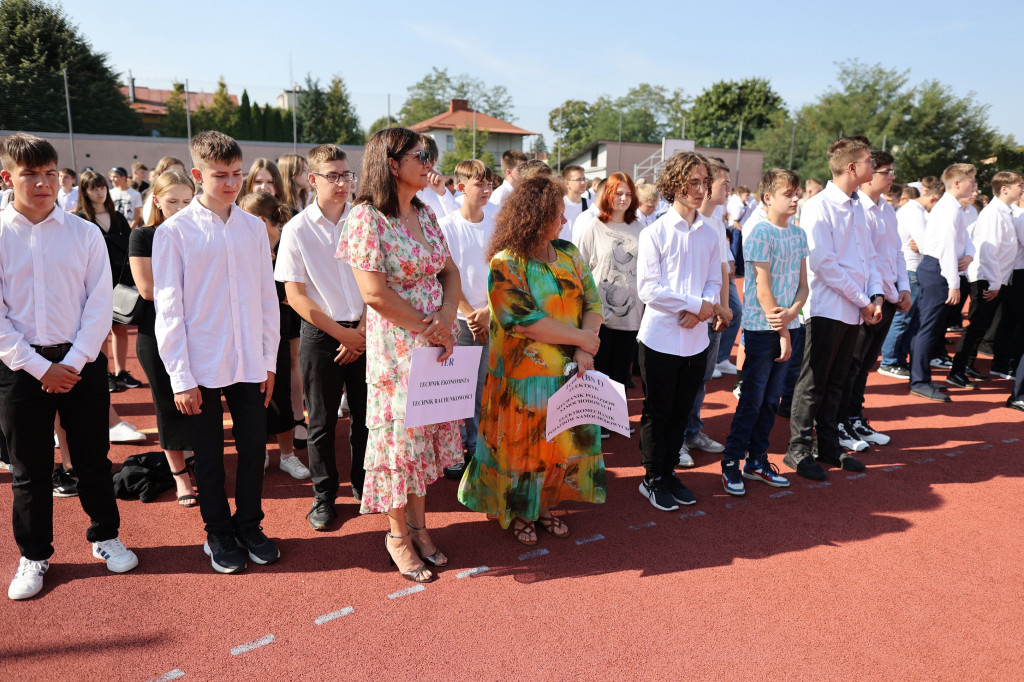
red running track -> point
(911, 571)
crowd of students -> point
(247, 294)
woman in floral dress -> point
(411, 287)
(545, 313)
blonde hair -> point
(291, 165)
(957, 171)
(166, 181)
(646, 193)
(845, 151)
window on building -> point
(449, 143)
(593, 156)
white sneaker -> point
(716, 373)
(123, 432)
(851, 441)
(28, 580)
(862, 429)
(4, 466)
(266, 461)
(291, 465)
(684, 457)
(726, 367)
(119, 558)
(56, 442)
(703, 441)
(736, 391)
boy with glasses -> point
(575, 202)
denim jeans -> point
(729, 334)
(904, 325)
(471, 425)
(763, 381)
(694, 423)
(798, 338)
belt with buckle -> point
(53, 353)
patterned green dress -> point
(515, 471)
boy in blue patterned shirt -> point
(774, 291)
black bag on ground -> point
(143, 476)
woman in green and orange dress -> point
(545, 313)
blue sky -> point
(547, 52)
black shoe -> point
(454, 472)
(954, 328)
(1011, 402)
(630, 383)
(300, 443)
(894, 371)
(960, 380)
(63, 484)
(658, 495)
(804, 465)
(985, 348)
(679, 492)
(225, 556)
(321, 515)
(843, 461)
(942, 362)
(605, 433)
(261, 549)
(974, 374)
(112, 385)
(126, 380)
(784, 409)
(931, 392)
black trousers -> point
(615, 356)
(172, 426)
(980, 317)
(1008, 343)
(870, 338)
(26, 417)
(932, 315)
(323, 381)
(280, 418)
(245, 401)
(670, 384)
(819, 390)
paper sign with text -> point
(590, 399)
(441, 391)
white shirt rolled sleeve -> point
(946, 239)
(995, 244)
(910, 222)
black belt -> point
(350, 325)
(54, 353)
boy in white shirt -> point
(55, 302)
(575, 186)
(127, 201)
(647, 195)
(67, 195)
(845, 290)
(467, 232)
(332, 340)
(511, 161)
(217, 328)
(436, 194)
(679, 277)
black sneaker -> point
(843, 461)
(1003, 373)
(225, 556)
(975, 375)
(126, 380)
(63, 484)
(894, 371)
(942, 362)
(658, 495)
(321, 515)
(679, 492)
(112, 385)
(261, 549)
(454, 472)
(804, 465)
(784, 409)
(960, 380)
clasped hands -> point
(438, 330)
(688, 320)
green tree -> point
(243, 119)
(793, 131)
(38, 41)
(430, 96)
(380, 124)
(259, 124)
(573, 125)
(715, 117)
(341, 118)
(175, 123)
(219, 115)
(539, 146)
(312, 113)
(677, 112)
(463, 149)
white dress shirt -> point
(467, 243)
(946, 239)
(644, 219)
(911, 220)
(679, 267)
(55, 287)
(995, 245)
(217, 316)
(306, 255)
(735, 209)
(713, 222)
(841, 267)
(499, 195)
(885, 238)
(441, 205)
(67, 200)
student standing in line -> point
(774, 292)
(55, 303)
(332, 340)
(679, 278)
(1008, 337)
(511, 161)
(845, 290)
(166, 163)
(263, 177)
(575, 201)
(468, 232)
(67, 195)
(172, 191)
(218, 328)
(127, 201)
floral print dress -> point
(515, 471)
(399, 461)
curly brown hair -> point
(526, 216)
(677, 173)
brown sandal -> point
(521, 530)
(554, 525)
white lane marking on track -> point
(924, 460)
(985, 446)
(954, 453)
(171, 675)
(894, 467)
(820, 484)
(692, 515)
(242, 648)
(855, 476)
(592, 538)
(328, 617)
(531, 555)
(638, 526)
(407, 591)
(472, 571)
(1011, 440)
(733, 505)
(782, 493)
